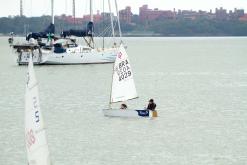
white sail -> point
(35, 137)
(123, 85)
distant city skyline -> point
(42, 7)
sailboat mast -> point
(52, 11)
(111, 84)
(21, 8)
(119, 27)
(103, 24)
(91, 10)
(91, 41)
(73, 9)
(111, 15)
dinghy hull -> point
(129, 113)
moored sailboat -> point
(64, 50)
(67, 51)
(123, 88)
(34, 44)
(35, 135)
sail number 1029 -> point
(124, 70)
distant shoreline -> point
(146, 36)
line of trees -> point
(162, 27)
(200, 27)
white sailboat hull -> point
(72, 56)
(90, 57)
(129, 113)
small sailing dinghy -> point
(35, 136)
(123, 88)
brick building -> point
(96, 17)
(71, 19)
(125, 14)
(152, 14)
(86, 18)
(221, 14)
(243, 18)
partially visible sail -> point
(123, 85)
(48, 32)
(80, 33)
(35, 137)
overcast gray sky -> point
(41, 7)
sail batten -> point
(35, 136)
(123, 85)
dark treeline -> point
(162, 27)
(200, 27)
(23, 25)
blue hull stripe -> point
(143, 113)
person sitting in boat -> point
(123, 106)
(151, 105)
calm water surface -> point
(199, 85)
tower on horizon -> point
(73, 9)
(21, 8)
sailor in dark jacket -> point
(123, 106)
(151, 105)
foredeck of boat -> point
(26, 46)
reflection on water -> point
(199, 85)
